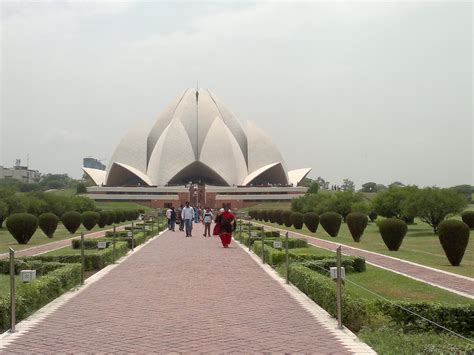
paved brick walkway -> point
(40, 249)
(184, 295)
(460, 284)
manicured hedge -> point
(139, 238)
(34, 295)
(458, 318)
(95, 261)
(322, 265)
(292, 242)
(322, 290)
(273, 257)
(42, 268)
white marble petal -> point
(295, 176)
(96, 175)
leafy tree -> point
(362, 207)
(341, 202)
(3, 212)
(466, 191)
(392, 203)
(313, 188)
(369, 187)
(396, 184)
(433, 205)
(322, 183)
(348, 185)
(81, 188)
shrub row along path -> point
(44, 248)
(184, 295)
(456, 283)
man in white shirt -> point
(187, 216)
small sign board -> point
(101, 245)
(27, 275)
(254, 235)
(147, 228)
(333, 272)
(277, 244)
(129, 234)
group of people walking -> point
(184, 216)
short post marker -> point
(82, 258)
(113, 246)
(339, 288)
(12, 292)
(287, 259)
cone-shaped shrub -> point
(257, 215)
(297, 220)
(124, 216)
(311, 221)
(22, 226)
(373, 216)
(356, 222)
(271, 216)
(331, 222)
(48, 222)
(110, 217)
(90, 219)
(265, 215)
(103, 218)
(453, 236)
(286, 215)
(468, 218)
(393, 230)
(72, 221)
(279, 217)
(117, 216)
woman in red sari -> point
(226, 226)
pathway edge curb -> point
(345, 336)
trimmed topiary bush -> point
(258, 215)
(279, 217)
(331, 222)
(373, 216)
(265, 215)
(468, 218)
(356, 222)
(72, 221)
(286, 216)
(453, 236)
(110, 217)
(117, 216)
(297, 220)
(22, 226)
(90, 219)
(48, 222)
(103, 219)
(393, 230)
(311, 221)
(271, 216)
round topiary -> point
(331, 222)
(72, 221)
(356, 222)
(297, 220)
(373, 216)
(311, 221)
(118, 216)
(22, 226)
(110, 217)
(468, 218)
(279, 217)
(48, 222)
(103, 219)
(286, 215)
(90, 219)
(454, 237)
(393, 230)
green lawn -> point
(39, 238)
(389, 284)
(121, 205)
(420, 246)
(69, 251)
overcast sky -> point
(370, 91)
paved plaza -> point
(184, 295)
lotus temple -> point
(196, 151)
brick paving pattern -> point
(450, 281)
(40, 249)
(182, 295)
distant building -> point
(93, 164)
(20, 173)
